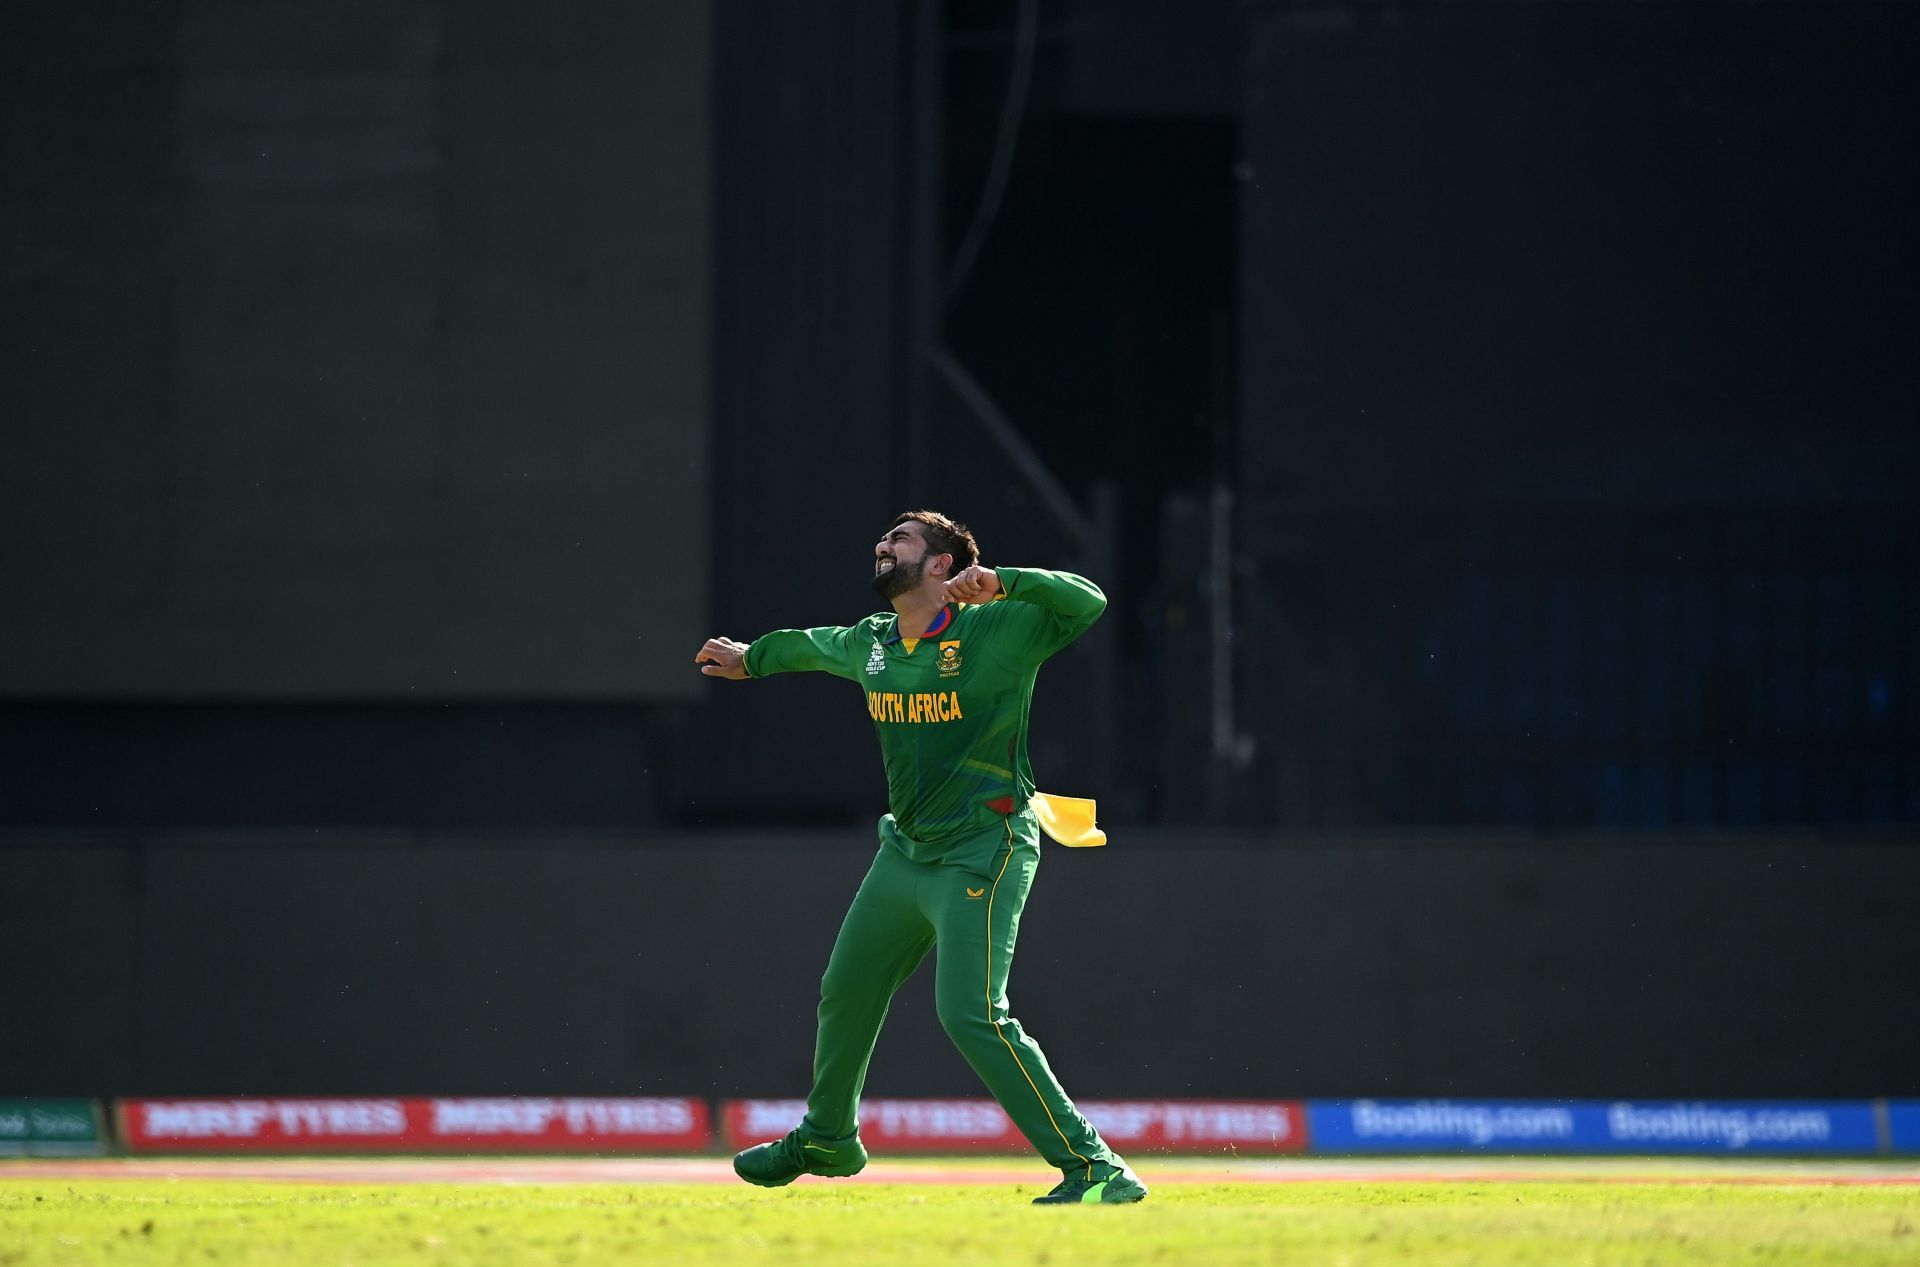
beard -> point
(898, 579)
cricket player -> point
(948, 675)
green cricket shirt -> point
(951, 707)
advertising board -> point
(415, 1124)
(1592, 1126)
(51, 1128)
(980, 1125)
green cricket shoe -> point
(777, 1164)
(1116, 1186)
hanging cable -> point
(1026, 36)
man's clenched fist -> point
(723, 657)
(974, 585)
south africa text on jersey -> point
(914, 706)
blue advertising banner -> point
(1903, 1125)
(1770, 1126)
(1405, 1126)
(1591, 1126)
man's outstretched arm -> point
(822, 650)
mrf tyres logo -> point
(540, 1117)
(248, 1119)
(1443, 1121)
(1725, 1127)
(1206, 1123)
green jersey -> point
(951, 706)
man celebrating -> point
(949, 678)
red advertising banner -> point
(517, 1124)
(1201, 1126)
(959, 1126)
(939, 1126)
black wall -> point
(1163, 965)
(1592, 254)
(1577, 455)
(355, 352)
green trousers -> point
(903, 910)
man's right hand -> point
(723, 657)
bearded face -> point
(894, 577)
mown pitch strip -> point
(51, 1220)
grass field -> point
(50, 1220)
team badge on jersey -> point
(877, 661)
(950, 658)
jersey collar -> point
(938, 626)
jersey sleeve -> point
(1043, 611)
(835, 649)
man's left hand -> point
(974, 585)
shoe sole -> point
(1130, 1195)
(764, 1183)
(767, 1183)
(781, 1183)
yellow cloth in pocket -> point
(1068, 819)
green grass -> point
(1553, 1224)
